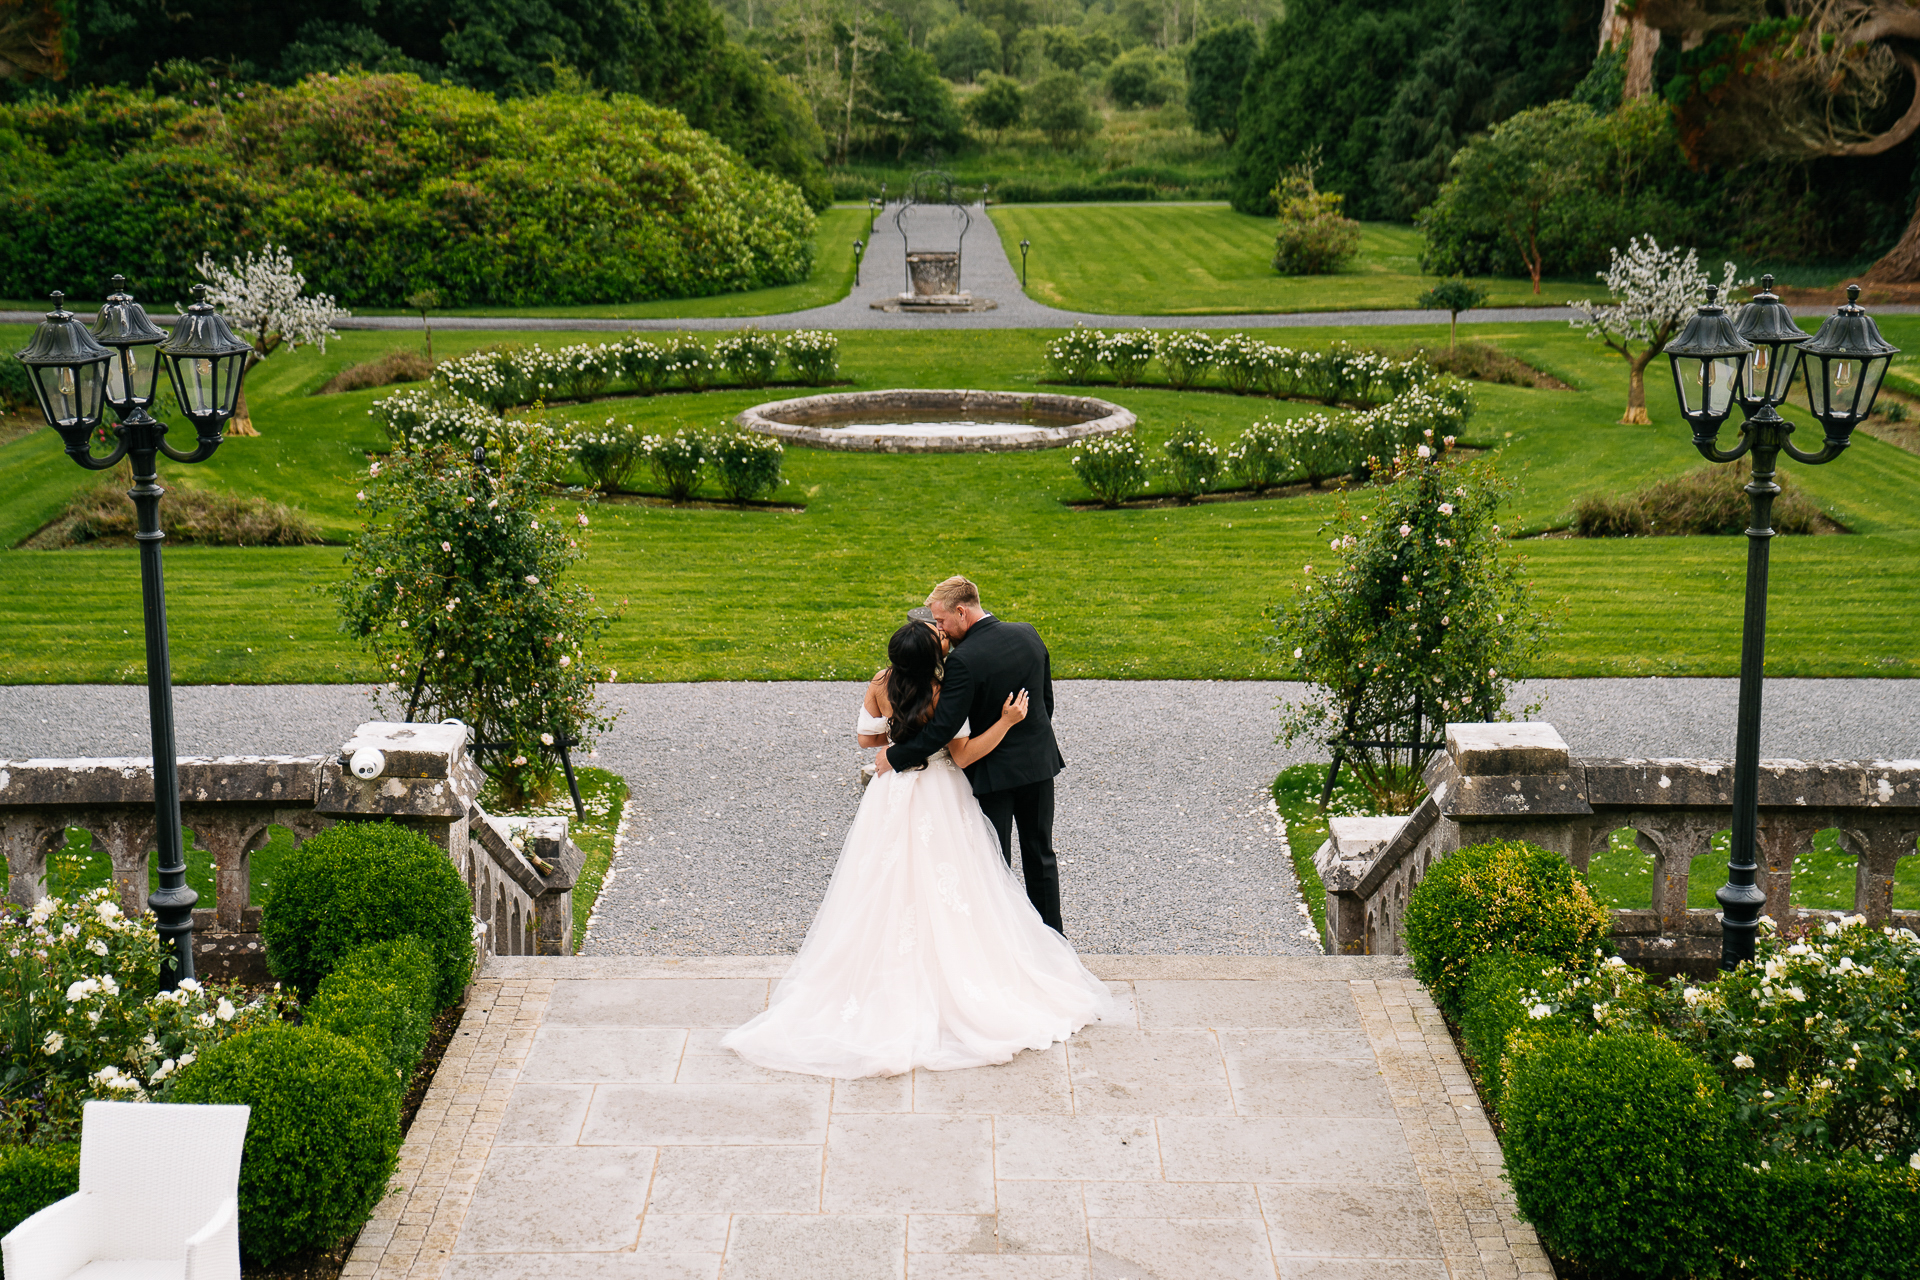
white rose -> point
(54, 1042)
(1743, 1062)
(224, 1011)
(189, 984)
(98, 947)
(1539, 1011)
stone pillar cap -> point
(1506, 749)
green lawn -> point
(1162, 593)
(831, 281)
(1146, 259)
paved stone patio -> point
(1252, 1117)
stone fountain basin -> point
(921, 421)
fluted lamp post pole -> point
(76, 375)
(1720, 361)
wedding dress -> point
(925, 951)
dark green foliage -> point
(382, 998)
(1453, 296)
(321, 1142)
(1618, 1152)
(998, 106)
(1500, 896)
(965, 48)
(910, 106)
(16, 389)
(379, 184)
(1495, 58)
(1057, 105)
(359, 883)
(31, 1178)
(1705, 500)
(1491, 1006)
(1823, 1219)
(1217, 66)
(1139, 78)
(674, 53)
(1323, 79)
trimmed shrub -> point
(1714, 500)
(1260, 458)
(381, 998)
(1242, 361)
(395, 366)
(1186, 356)
(607, 454)
(750, 356)
(1605, 515)
(642, 365)
(1313, 237)
(690, 364)
(1618, 1152)
(1491, 1006)
(814, 355)
(323, 1138)
(1073, 355)
(31, 1178)
(677, 461)
(359, 883)
(1112, 468)
(746, 464)
(1820, 1219)
(1500, 896)
(1127, 355)
(1193, 461)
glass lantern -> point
(1844, 364)
(123, 327)
(68, 370)
(1766, 323)
(1709, 363)
(207, 364)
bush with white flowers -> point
(84, 1017)
(745, 464)
(678, 459)
(1112, 467)
(1186, 355)
(1243, 362)
(1075, 354)
(420, 417)
(1261, 458)
(606, 453)
(750, 357)
(1193, 461)
(814, 355)
(1127, 355)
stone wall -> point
(1519, 782)
(520, 871)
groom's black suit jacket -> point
(992, 660)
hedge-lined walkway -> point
(1254, 1117)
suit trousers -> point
(1030, 807)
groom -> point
(1014, 782)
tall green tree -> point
(1495, 58)
(1324, 78)
(1217, 66)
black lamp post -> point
(1024, 246)
(73, 372)
(859, 247)
(1719, 362)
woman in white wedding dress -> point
(925, 951)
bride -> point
(925, 951)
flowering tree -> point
(457, 587)
(1425, 617)
(262, 297)
(1653, 292)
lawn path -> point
(742, 793)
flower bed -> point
(85, 1018)
(1766, 1124)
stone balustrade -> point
(520, 871)
(1518, 782)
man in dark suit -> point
(990, 660)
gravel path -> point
(743, 792)
(987, 273)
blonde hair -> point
(955, 593)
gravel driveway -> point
(742, 793)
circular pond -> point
(920, 421)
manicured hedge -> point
(381, 185)
(382, 998)
(1500, 896)
(322, 1141)
(31, 1178)
(359, 883)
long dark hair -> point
(918, 667)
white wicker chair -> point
(157, 1200)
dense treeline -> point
(382, 185)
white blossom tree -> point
(264, 300)
(1654, 291)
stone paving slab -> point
(1249, 1116)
